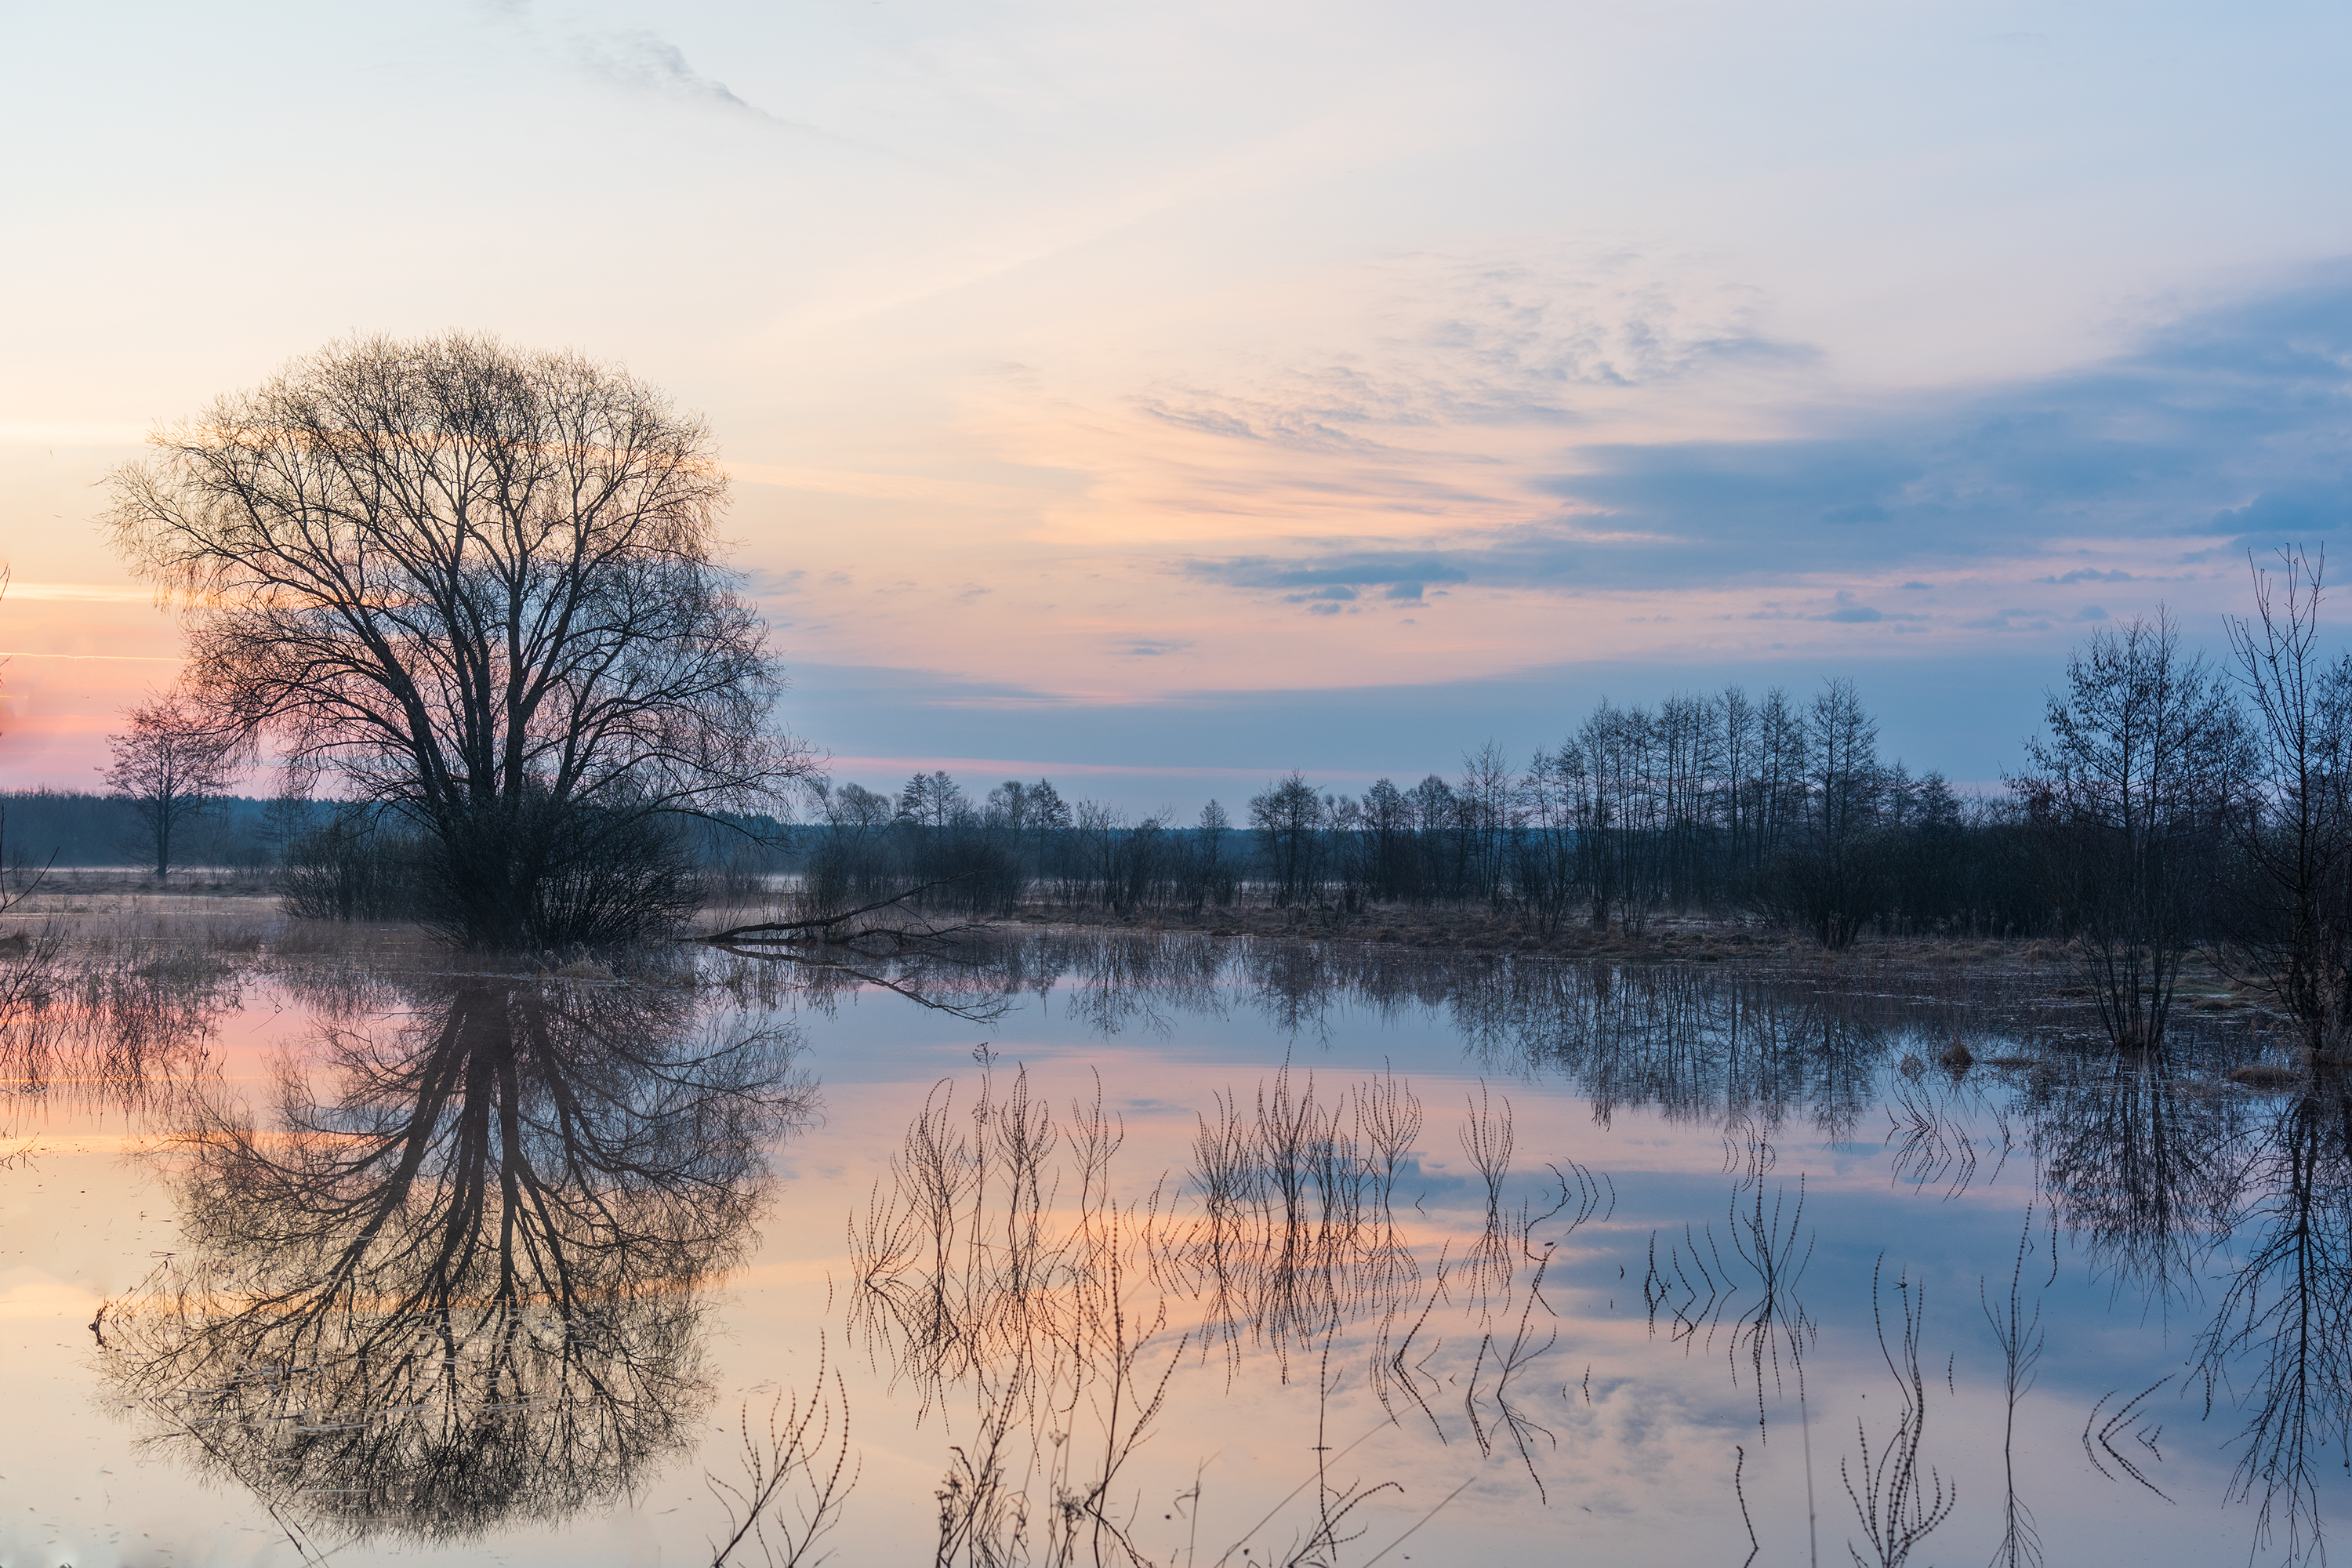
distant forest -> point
(1717, 804)
(79, 827)
(257, 836)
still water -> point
(1149, 1249)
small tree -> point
(1209, 878)
(2293, 928)
(1830, 874)
(2128, 792)
(170, 766)
(1284, 818)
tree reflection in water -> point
(2142, 1161)
(2280, 1342)
(462, 1286)
(127, 1035)
(1699, 1046)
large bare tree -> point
(479, 584)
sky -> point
(1159, 399)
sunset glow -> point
(1114, 392)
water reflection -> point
(130, 1036)
(450, 1274)
(1742, 1286)
(2174, 1183)
(1296, 1232)
(1696, 1045)
(2280, 1344)
(998, 1270)
(454, 1277)
(973, 1275)
(2144, 1164)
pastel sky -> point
(1163, 397)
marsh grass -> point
(999, 1279)
(970, 1276)
(1295, 1235)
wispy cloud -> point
(1847, 610)
(2087, 574)
(1453, 342)
(647, 62)
(79, 593)
(636, 61)
(2224, 431)
(1348, 568)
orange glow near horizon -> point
(1070, 361)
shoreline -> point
(89, 893)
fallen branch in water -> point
(820, 926)
(985, 1011)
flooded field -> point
(1146, 1249)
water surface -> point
(1169, 1249)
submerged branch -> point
(797, 930)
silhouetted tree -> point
(2293, 929)
(479, 584)
(932, 800)
(1211, 879)
(2128, 791)
(1285, 818)
(1829, 872)
(170, 764)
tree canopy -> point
(480, 587)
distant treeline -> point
(257, 834)
(1719, 803)
(80, 827)
(2165, 806)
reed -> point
(1898, 1503)
(802, 1455)
(1487, 1139)
(998, 1261)
(2020, 1335)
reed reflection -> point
(1000, 1267)
(454, 1277)
(104, 1033)
(1296, 1235)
